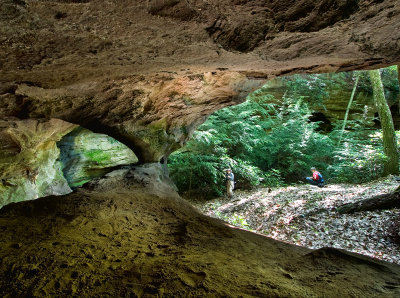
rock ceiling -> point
(148, 72)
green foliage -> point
(269, 141)
(206, 173)
(314, 88)
(273, 178)
(260, 141)
(291, 143)
(234, 219)
(390, 78)
(191, 171)
(360, 157)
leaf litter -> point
(306, 215)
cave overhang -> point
(149, 73)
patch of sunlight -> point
(340, 194)
(336, 187)
(291, 188)
(298, 203)
(285, 221)
(303, 192)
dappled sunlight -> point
(275, 138)
(297, 203)
(264, 196)
(306, 215)
(272, 210)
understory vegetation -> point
(273, 140)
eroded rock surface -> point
(86, 155)
(153, 116)
(33, 166)
(131, 235)
(28, 159)
(148, 72)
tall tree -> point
(398, 72)
(398, 77)
(391, 165)
(348, 108)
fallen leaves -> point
(305, 215)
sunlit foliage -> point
(271, 142)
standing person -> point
(316, 178)
(230, 182)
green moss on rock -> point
(86, 155)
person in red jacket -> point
(316, 178)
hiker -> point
(316, 178)
(230, 182)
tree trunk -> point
(348, 109)
(398, 79)
(386, 201)
(391, 165)
(398, 73)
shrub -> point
(206, 173)
(359, 158)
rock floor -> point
(132, 239)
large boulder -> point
(28, 159)
(40, 157)
(86, 155)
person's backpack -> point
(320, 178)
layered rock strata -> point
(148, 72)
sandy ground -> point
(131, 235)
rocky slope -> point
(131, 235)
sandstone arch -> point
(148, 72)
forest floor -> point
(306, 215)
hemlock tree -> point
(391, 165)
